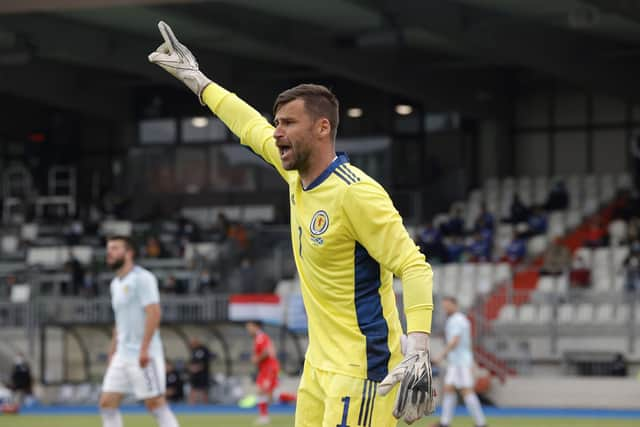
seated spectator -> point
(237, 233)
(174, 286)
(221, 229)
(206, 283)
(77, 273)
(480, 248)
(154, 249)
(580, 274)
(558, 198)
(455, 225)
(596, 234)
(557, 259)
(537, 222)
(632, 273)
(484, 221)
(455, 249)
(516, 250)
(519, 212)
(430, 243)
(175, 386)
(619, 366)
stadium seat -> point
(586, 255)
(545, 314)
(624, 181)
(540, 189)
(574, 218)
(583, 314)
(507, 314)
(546, 285)
(502, 272)
(484, 280)
(527, 314)
(566, 314)
(620, 254)
(617, 232)
(536, 245)
(590, 206)
(623, 311)
(607, 187)
(604, 314)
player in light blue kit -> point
(136, 359)
(458, 352)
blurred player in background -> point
(136, 359)
(348, 241)
(264, 357)
(459, 355)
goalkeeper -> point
(348, 241)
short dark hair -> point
(450, 299)
(319, 101)
(128, 242)
(258, 323)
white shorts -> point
(126, 376)
(459, 376)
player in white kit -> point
(458, 352)
(136, 359)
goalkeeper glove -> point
(178, 61)
(416, 395)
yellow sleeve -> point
(246, 123)
(378, 227)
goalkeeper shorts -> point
(328, 399)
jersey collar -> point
(341, 159)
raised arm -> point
(249, 125)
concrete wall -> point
(570, 392)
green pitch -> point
(285, 421)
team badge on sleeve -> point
(319, 223)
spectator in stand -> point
(154, 249)
(455, 225)
(431, 245)
(222, 227)
(580, 274)
(456, 249)
(174, 286)
(485, 220)
(632, 273)
(21, 379)
(77, 274)
(199, 372)
(9, 281)
(238, 234)
(516, 250)
(519, 212)
(619, 366)
(537, 222)
(206, 282)
(596, 234)
(480, 248)
(557, 259)
(175, 386)
(558, 198)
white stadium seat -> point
(584, 313)
(566, 314)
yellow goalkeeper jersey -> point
(348, 241)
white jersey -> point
(129, 296)
(458, 325)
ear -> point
(323, 127)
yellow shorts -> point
(327, 399)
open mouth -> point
(284, 150)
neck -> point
(317, 165)
(124, 270)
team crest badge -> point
(319, 223)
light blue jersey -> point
(129, 296)
(458, 325)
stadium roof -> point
(445, 53)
